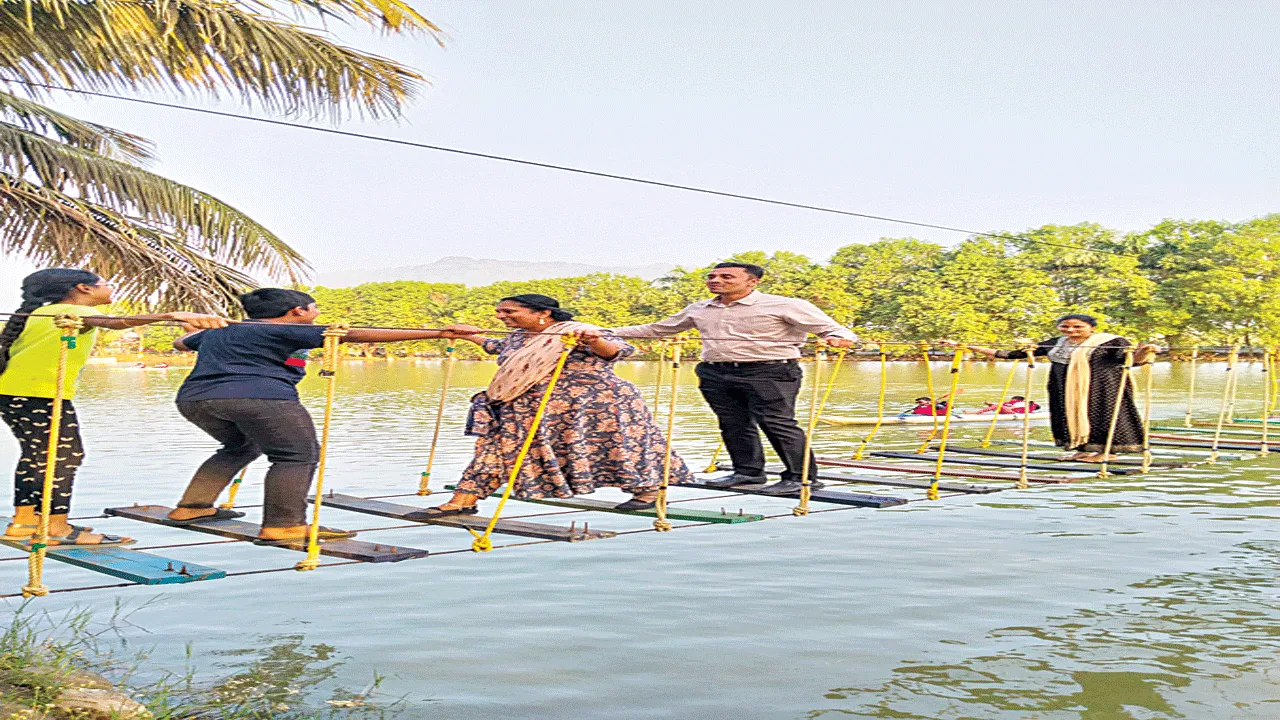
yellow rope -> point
(933, 398)
(884, 382)
(329, 371)
(35, 587)
(711, 466)
(1148, 383)
(957, 361)
(660, 503)
(483, 541)
(1275, 382)
(230, 504)
(1026, 418)
(1191, 386)
(1267, 369)
(995, 416)
(657, 385)
(424, 485)
(815, 411)
(1126, 382)
(1224, 410)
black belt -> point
(751, 363)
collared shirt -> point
(754, 328)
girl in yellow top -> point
(29, 347)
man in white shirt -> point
(749, 373)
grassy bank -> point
(79, 664)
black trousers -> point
(247, 428)
(28, 418)
(750, 397)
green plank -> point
(673, 513)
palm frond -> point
(106, 141)
(389, 15)
(210, 46)
(207, 225)
(144, 262)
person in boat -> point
(1086, 379)
(925, 406)
(242, 392)
(596, 432)
(750, 373)
(1016, 405)
(29, 349)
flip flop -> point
(219, 514)
(73, 539)
(325, 533)
(432, 513)
(636, 504)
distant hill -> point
(473, 271)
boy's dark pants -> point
(247, 428)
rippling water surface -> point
(1126, 597)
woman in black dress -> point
(1086, 375)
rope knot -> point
(662, 525)
(482, 544)
(799, 511)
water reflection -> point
(1187, 646)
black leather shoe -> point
(787, 488)
(736, 479)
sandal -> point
(445, 510)
(325, 533)
(219, 514)
(73, 538)
(635, 503)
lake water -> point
(1125, 597)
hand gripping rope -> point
(35, 587)
(424, 485)
(483, 542)
(329, 371)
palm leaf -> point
(143, 261)
(211, 46)
(100, 139)
(207, 225)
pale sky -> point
(992, 116)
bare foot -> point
(191, 513)
(300, 532)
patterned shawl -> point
(533, 362)
(1077, 387)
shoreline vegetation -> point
(1181, 283)
(56, 666)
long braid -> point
(40, 288)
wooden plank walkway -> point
(413, 513)
(835, 497)
(1037, 456)
(992, 462)
(674, 512)
(241, 530)
(126, 564)
(1207, 443)
(886, 481)
(946, 471)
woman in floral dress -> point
(596, 431)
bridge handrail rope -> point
(884, 383)
(1275, 381)
(329, 371)
(1191, 387)
(1267, 368)
(1126, 383)
(1225, 409)
(662, 347)
(995, 415)
(662, 524)
(816, 406)
(424, 484)
(70, 326)
(483, 542)
(1148, 382)
(230, 504)
(933, 398)
(957, 361)
(1023, 483)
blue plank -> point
(139, 567)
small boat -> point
(928, 419)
